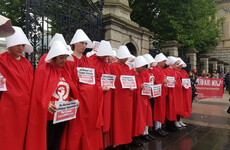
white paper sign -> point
(128, 82)
(86, 75)
(108, 80)
(156, 90)
(147, 89)
(66, 110)
(171, 82)
(2, 83)
(187, 83)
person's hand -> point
(131, 89)
(142, 85)
(165, 81)
(150, 96)
(105, 88)
(52, 108)
(4, 80)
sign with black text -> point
(171, 82)
(147, 89)
(86, 75)
(156, 90)
(66, 110)
(128, 82)
(108, 80)
(187, 83)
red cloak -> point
(89, 135)
(122, 107)
(171, 113)
(46, 79)
(142, 111)
(159, 109)
(179, 94)
(102, 67)
(15, 102)
(187, 95)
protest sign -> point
(66, 110)
(128, 81)
(108, 80)
(86, 75)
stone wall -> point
(2, 46)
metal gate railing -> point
(44, 18)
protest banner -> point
(209, 88)
(66, 110)
(128, 81)
(108, 80)
(86, 75)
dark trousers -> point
(54, 134)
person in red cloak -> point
(52, 82)
(187, 94)
(86, 130)
(15, 102)
(122, 101)
(142, 111)
(101, 66)
(159, 107)
(174, 103)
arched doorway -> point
(132, 48)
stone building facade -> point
(222, 52)
(121, 30)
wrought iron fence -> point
(44, 18)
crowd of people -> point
(106, 116)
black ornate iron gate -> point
(44, 18)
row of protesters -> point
(106, 115)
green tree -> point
(192, 23)
(14, 10)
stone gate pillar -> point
(221, 66)
(171, 47)
(226, 68)
(214, 63)
(191, 54)
(204, 60)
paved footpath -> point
(208, 129)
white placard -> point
(66, 110)
(2, 83)
(187, 83)
(147, 89)
(128, 82)
(86, 75)
(171, 82)
(107, 80)
(157, 90)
